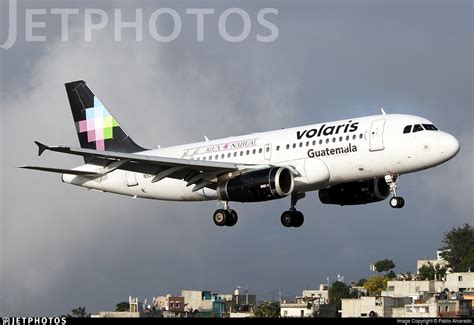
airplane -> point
(350, 162)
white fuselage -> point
(321, 155)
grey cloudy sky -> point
(63, 246)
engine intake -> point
(356, 192)
(260, 185)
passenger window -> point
(407, 129)
(354, 137)
(294, 145)
(301, 144)
(210, 157)
(241, 153)
(430, 127)
(248, 152)
(417, 128)
(267, 149)
(278, 148)
(327, 140)
(203, 158)
(314, 142)
(361, 135)
(321, 141)
(333, 139)
(228, 155)
(307, 143)
(260, 150)
(287, 146)
(216, 157)
(347, 138)
(340, 139)
(222, 156)
(235, 154)
(254, 152)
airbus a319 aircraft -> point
(350, 162)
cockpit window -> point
(417, 128)
(407, 129)
(430, 127)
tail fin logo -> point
(99, 124)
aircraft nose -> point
(449, 146)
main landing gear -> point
(292, 217)
(396, 202)
(225, 217)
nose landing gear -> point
(396, 202)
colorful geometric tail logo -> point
(96, 128)
(99, 124)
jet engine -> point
(356, 192)
(260, 185)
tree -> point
(361, 282)
(337, 291)
(431, 272)
(376, 284)
(458, 248)
(384, 265)
(79, 312)
(391, 275)
(122, 306)
(408, 277)
(268, 310)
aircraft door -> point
(131, 179)
(376, 135)
(267, 151)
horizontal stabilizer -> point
(41, 147)
(63, 171)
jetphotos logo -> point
(259, 25)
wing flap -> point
(63, 171)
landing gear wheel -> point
(292, 219)
(298, 219)
(397, 202)
(232, 218)
(287, 219)
(220, 217)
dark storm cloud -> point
(64, 246)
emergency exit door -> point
(376, 135)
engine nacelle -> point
(356, 192)
(260, 185)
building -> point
(460, 282)
(205, 303)
(450, 298)
(296, 310)
(438, 261)
(372, 306)
(320, 297)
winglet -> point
(383, 112)
(41, 147)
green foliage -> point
(376, 284)
(122, 306)
(468, 262)
(408, 277)
(391, 275)
(268, 310)
(361, 282)
(79, 312)
(337, 291)
(384, 265)
(458, 248)
(431, 272)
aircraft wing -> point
(197, 172)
